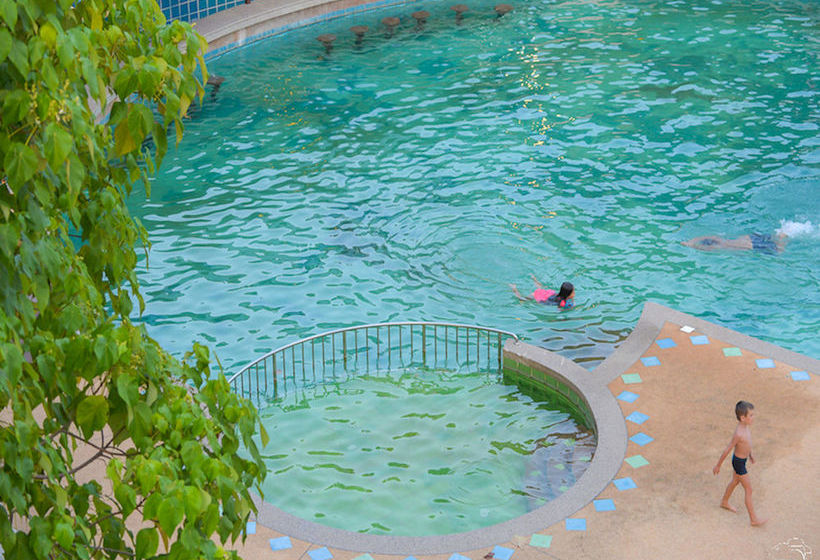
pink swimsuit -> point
(541, 295)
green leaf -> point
(194, 502)
(19, 57)
(92, 414)
(5, 43)
(21, 163)
(147, 543)
(127, 389)
(16, 105)
(12, 368)
(124, 142)
(125, 82)
(48, 34)
(58, 144)
(127, 498)
(64, 534)
(90, 76)
(9, 12)
(169, 515)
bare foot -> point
(729, 507)
(758, 522)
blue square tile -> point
(651, 361)
(625, 483)
(800, 376)
(637, 417)
(411, 558)
(575, 524)
(502, 553)
(282, 543)
(666, 343)
(458, 556)
(628, 396)
(320, 554)
(251, 527)
(640, 438)
(604, 505)
(765, 363)
(699, 340)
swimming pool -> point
(416, 177)
(420, 452)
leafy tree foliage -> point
(75, 373)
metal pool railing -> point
(340, 354)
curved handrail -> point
(261, 362)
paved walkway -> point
(677, 391)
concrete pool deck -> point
(677, 393)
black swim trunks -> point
(739, 465)
(763, 243)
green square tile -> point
(543, 541)
(364, 557)
(636, 461)
(630, 378)
(732, 352)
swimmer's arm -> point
(517, 293)
(537, 283)
(735, 440)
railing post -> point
(499, 353)
(424, 346)
(344, 349)
(435, 346)
(411, 344)
(275, 383)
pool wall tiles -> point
(190, 10)
(542, 379)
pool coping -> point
(247, 23)
(609, 455)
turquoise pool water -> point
(419, 452)
(414, 178)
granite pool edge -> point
(655, 315)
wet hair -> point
(565, 292)
(742, 408)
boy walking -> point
(742, 445)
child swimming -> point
(564, 297)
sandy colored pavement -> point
(672, 512)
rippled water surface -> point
(420, 453)
(416, 177)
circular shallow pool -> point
(415, 177)
(420, 452)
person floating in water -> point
(753, 242)
(565, 297)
